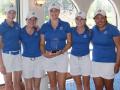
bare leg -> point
(109, 84)
(86, 82)
(28, 84)
(8, 81)
(36, 83)
(99, 83)
(53, 80)
(61, 77)
(78, 82)
(17, 80)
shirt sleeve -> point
(114, 31)
(42, 29)
(68, 29)
(1, 30)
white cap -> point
(81, 14)
(101, 12)
(10, 8)
(55, 5)
(31, 14)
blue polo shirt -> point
(103, 43)
(80, 42)
(30, 43)
(10, 36)
(55, 38)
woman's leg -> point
(53, 80)
(86, 82)
(8, 81)
(61, 77)
(108, 84)
(78, 82)
(36, 83)
(17, 80)
(99, 83)
(28, 84)
(22, 85)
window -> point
(3, 4)
(108, 6)
(68, 10)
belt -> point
(54, 51)
(32, 58)
(12, 52)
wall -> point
(82, 4)
(28, 5)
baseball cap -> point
(101, 12)
(31, 14)
(81, 14)
(55, 5)
(11, 7)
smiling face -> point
(100, 20)
(31, 22)
(54, 13)
(80, 22)
(10, 15)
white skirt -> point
(58, 63)
(32, 68)
(12, 62)
(104, 70)
(80, 65)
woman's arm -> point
(1, 45)
(42, 44)
(69, 43)
(2, 67)
(117, 43)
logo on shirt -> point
(61, 28)
(17, 28)
(84, 36)
(105, 32)
(36, 34)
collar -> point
(6, 24)
(59, 22)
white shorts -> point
(58, 63)
(12, 62)
(104, 70)
(80, 65)
(32, 67)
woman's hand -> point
(116, 68)
(59, 52)
(48, 54)
(51, 55)
(2, 69)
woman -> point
(55, 41)
(80, 64)
(10, 60)
(106, 51)
(32, 59)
